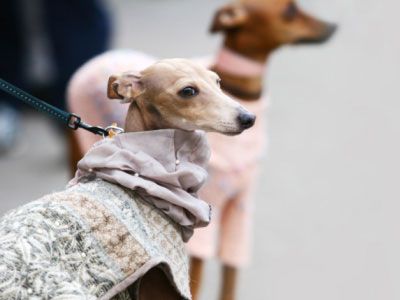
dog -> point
(253, 30)
(118, 230)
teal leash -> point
(72, 121)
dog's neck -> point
(141, 118)
(241, 73)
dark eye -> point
(219, 81)
(188, 92)
(290, 12)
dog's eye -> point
(219, 81)
(290, 12)
(188, 92)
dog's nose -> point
(331, 29)
(246, 120)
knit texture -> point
(90, 241)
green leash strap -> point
(71, 120)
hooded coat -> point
(130, 207)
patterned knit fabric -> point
(91, 241)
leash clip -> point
(74, 122)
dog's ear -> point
(229, 17)
(126, 87)
(112, 88)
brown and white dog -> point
(178, 94)
(118, 230)
(252, 30)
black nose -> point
(330, 30)
(246, 120)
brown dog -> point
(178, 94)
(255, 28)
(175, 93)
(118, 230)
(252, 30)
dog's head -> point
(180, 94)
(263, 25)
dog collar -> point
(234, 63)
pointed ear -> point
(229, 17)
(125, 87)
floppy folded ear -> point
(126, 87)
(229, 17)
(112, 88)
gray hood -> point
(165, 167)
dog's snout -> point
(246, 120)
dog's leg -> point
(155, 285)
(74, 152)
(228, 283)
(196, 273)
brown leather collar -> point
(240, 93)
(244, 88)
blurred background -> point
(327, 208)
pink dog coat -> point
(234, 159)
(233, 170)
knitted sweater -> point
(95, 239)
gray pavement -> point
(326, 223)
